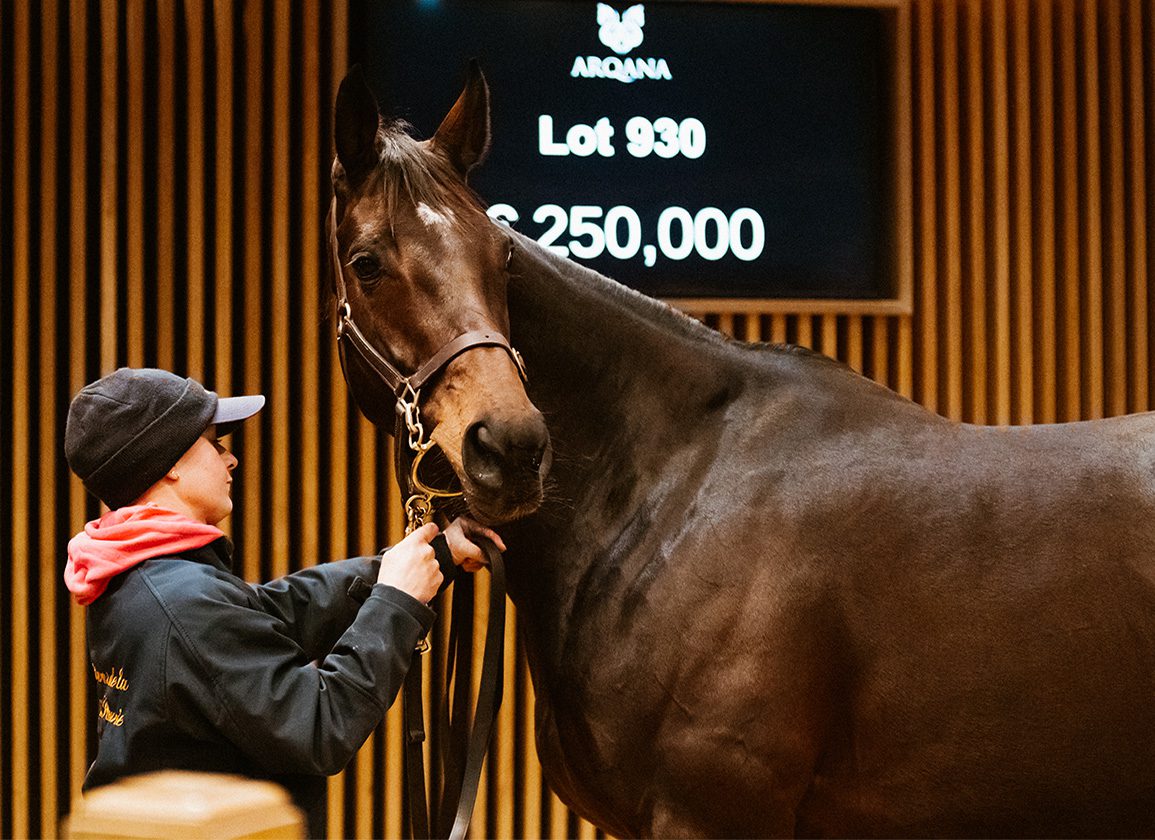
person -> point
(195, 668)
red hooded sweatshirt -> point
(124, 537)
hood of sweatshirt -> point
(124, 537)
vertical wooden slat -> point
(165, 184)
(1069, 224)
(136, 44)
(531, 790)
(478, 825)
(1139, 225)
(927, 308)
(77, 329)
(976, 269)
(558, 818)
(950, 272)
(1149, 145)
(830, 335)
(250, 350)
(778, 328)
(805, 331)
(366, 474)
(21, 422)
(306, 312)
(108, 188)
(880, 351)
(279, 387)
(194, 219)
(49, 561)
(1000, 216)
(223, 198)
(1047, 276)
(905, 374)
(504, 735)
(1023, 238)
(5, 336)
(1115, 269)
(854, 343)
(1091, 286)
(904, 155)
(392, 776)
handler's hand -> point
(411, 565)
(460, 536)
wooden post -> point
(179, 804)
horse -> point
(760, 594)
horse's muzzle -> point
(505, 463)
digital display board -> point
(686, 149)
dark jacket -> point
(198, 670)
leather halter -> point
(398, 383)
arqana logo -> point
(621, 32)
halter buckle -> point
(520, 362)
(345, 318)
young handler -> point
(197, 669)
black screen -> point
(697, 150)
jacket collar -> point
(218, 554)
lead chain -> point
(408, 408)
(419, 506)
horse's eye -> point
(366, 268)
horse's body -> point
(763, 595)
(770, 597)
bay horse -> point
(760, 594)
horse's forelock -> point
(410, 170)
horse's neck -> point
(625, 384)
(601, 347)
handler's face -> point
(205, 478)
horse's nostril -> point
(484, 438)
(482, 456)
(506, 455)
(538, 456)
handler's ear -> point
(463, 136)
(355, 129)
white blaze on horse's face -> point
(434, 218)
(426, 265)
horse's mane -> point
(664, 316)
(661, 314)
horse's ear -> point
(355, 127)
(463, 136)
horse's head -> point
(422, 264)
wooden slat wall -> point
(163, 180)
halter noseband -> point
(406, 390)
